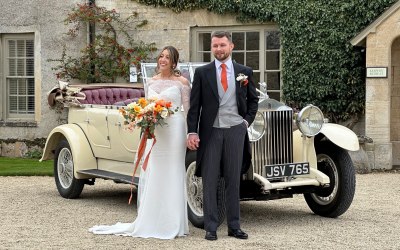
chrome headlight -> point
(257, 128)
(310, 120)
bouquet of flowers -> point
(146, 114)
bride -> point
(162, 197)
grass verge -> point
(25, 167)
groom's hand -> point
(192, 141)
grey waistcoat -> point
(228, 114)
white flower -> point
(241, 77)
(164, 113)
(132, 105)
(149, 107)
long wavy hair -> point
(173, 57)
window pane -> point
(253, 60)
(238, 57)
(204, 57)
(13, 105)
(12, 49)
(205, 41)
(12, 67)
(256, 78)
(21, 48)
(274, 95)
(22, 88)
(31, 86)
(272, 40)
(22, 104)
(13, 87)
(272, 60)
(238, 40)
(31, 104)
(29, 67)
(273, 80)
(252, 41)
(29, 48)
(21, 67)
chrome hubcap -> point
(326, 200)
(195, 190)
(65, 168)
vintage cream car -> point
(308, 157)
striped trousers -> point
(223, 156)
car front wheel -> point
(334, 200)
(194, 187)
(67, 185)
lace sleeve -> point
(186, 98)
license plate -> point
(291, 169)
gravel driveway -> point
(34, 216)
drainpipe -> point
(91, 32)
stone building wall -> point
(46, 20)
(166, 27)
(378, 90)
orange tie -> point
(224, 79)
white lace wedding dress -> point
(162, 196)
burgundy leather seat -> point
(111, 96)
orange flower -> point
(158, 108)
(160, 102)
(164, 103)
(142, 102)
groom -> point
(223, 103)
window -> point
(17, 82)
(255, 46)
(187, 70)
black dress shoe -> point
(237, 233)
(211, 235)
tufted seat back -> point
(111, 96)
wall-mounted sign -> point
(133, 74)
(377, 72)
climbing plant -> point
(320, 66)
(105, 57)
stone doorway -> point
(395, 103)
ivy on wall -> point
(320, 66)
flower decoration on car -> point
(242, 79)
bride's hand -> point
(192, 141)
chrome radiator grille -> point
(276, 146)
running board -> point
(110, 176)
